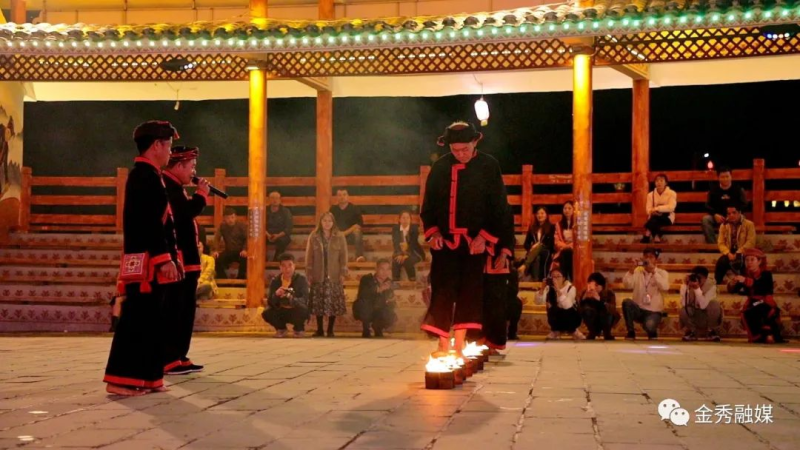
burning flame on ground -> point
(436, 365)
(472, 349)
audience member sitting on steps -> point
(539, 245)
(287, 301)
(700, 311)
(326, 266)
(349, 221)
(660, 207)
(279, 225)
(233, 233)
(407, 249)
(559, 295)
(736, 235)
(761, 315)
(206, 284)
(374, 305)
(599, 308)
(565, 237)
(649, 284)
(719, 197)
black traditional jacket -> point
(185, 210)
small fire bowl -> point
(440, 380)
(470, 367)
(460, 375)
(478, 360)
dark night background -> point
(735, 123)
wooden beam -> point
(640, 151)
(18, 11)
(582, 165)
(634, 71)
(321, 84)
(326, 10)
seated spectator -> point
(539, 245)
(279, 225)
(649, 284)
(233, 233)
(349, 221)
(206, 284)
(513, 305)
(736, 235)
(599, 308)
(660, 207)
(407, 249)
(562, 309)
(565, 239)
(374, 305)
(700, 310)
(761, 315)
(287, 301)
(719, 197)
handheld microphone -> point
(211, 188)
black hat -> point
(155, 130)
(183, 153)
(459, 133)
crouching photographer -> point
(701, 314)
(562, 309)
(287, 302)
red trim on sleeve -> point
(172, 177)
(506, 252)
(160, 259)
(202, 194)
(430, 232)
(488, 236)
(193, 268)
(454, 199)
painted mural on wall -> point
(11, 98)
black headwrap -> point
(459, 133)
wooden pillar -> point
(18, 11)
(640, 163)
(256, 189)
(582, 164)
(324, 151)
(219, 203)
(324, 172)
(122, 179)
(258, 9)
(527, 196)
(759, 199)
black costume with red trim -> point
(181, 302)
(761, 315)
(136, 357)
(461, 202)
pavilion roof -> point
(602, 18)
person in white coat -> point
(660, 207)
(700, 313)
(562, 308)
(649, 284)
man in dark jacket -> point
(374, 305)
(233, 233)
(279, 224)
(287, 302)
(179, 311)
(464, 213)
(725, 194)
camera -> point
(548, 281)
(286, 300)
(693, 278)
(642, 263)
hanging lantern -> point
(482, 111)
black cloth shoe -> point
(180, 370)
(591, 337)
(689, 337)
(713, 336)
(330, 334)
(631, 336)
(366, 334)
(513, 337)
(194, 368)
(319, 333)
(379, 334)
(609, 337)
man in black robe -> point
(179, 310)
(149, 263)
(465, 215)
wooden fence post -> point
(423, 178)
(527, 195)
(122, 178)
(25, 200)
(759, 199)
(219, 203)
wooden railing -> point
(525, 191)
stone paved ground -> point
(308, 394)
